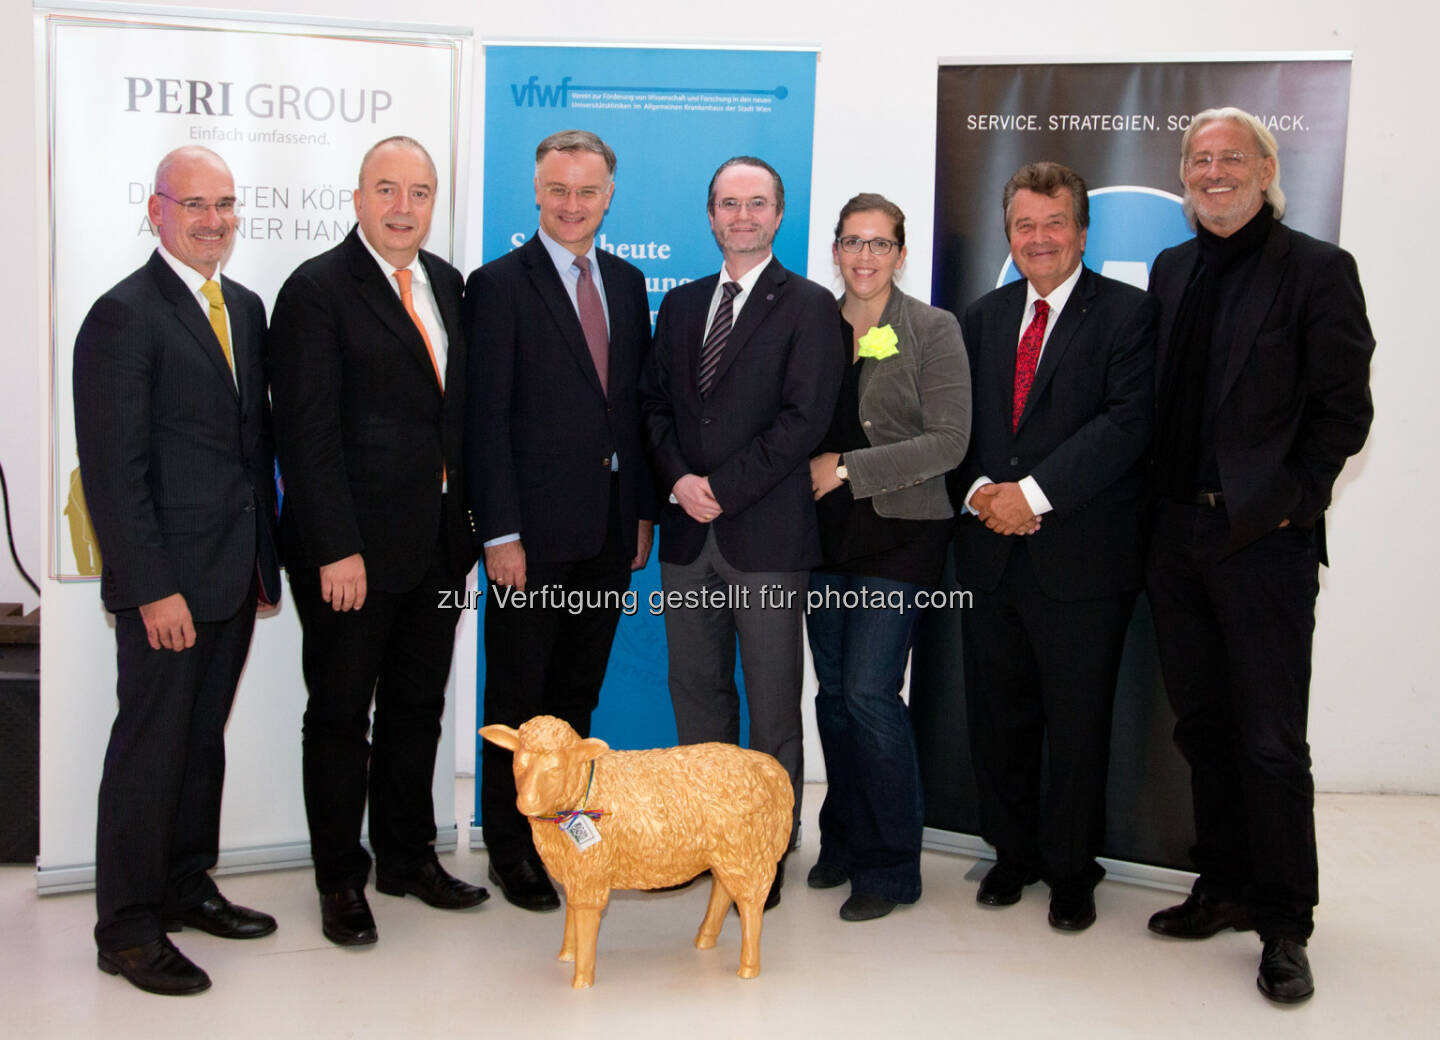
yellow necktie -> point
(211, 289)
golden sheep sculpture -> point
(662, 816)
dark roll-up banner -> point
(1119, 125)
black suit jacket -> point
(540, 432)
(1295, 399)
(769, 406)
(176, 462)
(362, 431)
(1083, 436)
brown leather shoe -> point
(156, 967)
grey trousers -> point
(765, 611)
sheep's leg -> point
(714, 915)
(587, 931)
(567, 945)
(752, 918)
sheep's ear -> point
(504, 736)
(590, 748)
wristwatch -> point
(841, 472)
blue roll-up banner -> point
(672, 115)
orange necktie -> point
(408, 299)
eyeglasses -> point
(560, 193)
(196, 207)
(1230, 160)
(878, 246)
(755, 205)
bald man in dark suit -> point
(173, 432)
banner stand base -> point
(973, 845)
(53, 881)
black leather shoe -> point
(1284, 972)
(527, 886)
(156, 967)
(434, 885)
(345, 918)
(1200, 917)
(218, 916)
(865, 906)
(826, 875)
(1072, 908)
(1004, 884)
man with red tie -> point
(1049, 540)
(367, 367)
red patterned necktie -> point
(1026, 358)
(592, 322)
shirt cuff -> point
(971, 493)
(502, 539)
(1039, 504)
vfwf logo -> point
(535, 95)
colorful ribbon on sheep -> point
(564, 816)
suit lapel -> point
(380, 296)
(1066, 326)
(894, 316)
(1255, 304)
(194, 320)
(240, 340)
(1009, 309)
(449, 307)
(762, 300)
(551, 290)
(621, 318)
(1171, 290)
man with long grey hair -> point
(1262, 394)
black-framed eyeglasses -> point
(878, 246)
(195, 207)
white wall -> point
(1372, 724)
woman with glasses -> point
(902, 421)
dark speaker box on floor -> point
(19, 753)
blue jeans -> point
(873, 814)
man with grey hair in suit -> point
(1263, 392)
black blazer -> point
(540, 431)
(176, 462)
(769, 406)
(1295, 398)
(1083, 436)
(362, 431)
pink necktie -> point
(592, 321)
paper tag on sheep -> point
(582, 831)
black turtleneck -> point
(1200, 343)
